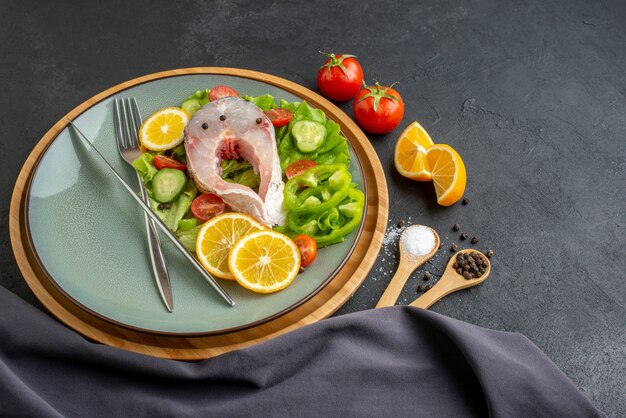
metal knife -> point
(160, 223)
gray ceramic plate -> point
(89, 235)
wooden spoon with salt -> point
(450, 282)
(409, 261)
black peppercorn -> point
(489, 253)
(401, 223)
(465, 201)
(205, 125)
(222, 118)
(420, 288)
(453, 247)
(456, 227)
(427, 275)
(259, 121)
(463, 236)
(474, 240)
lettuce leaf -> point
(173, 212)
(334, 149)
(188, 237)
(240, 171)
(265, 102)
(284, 104)
(144, 164)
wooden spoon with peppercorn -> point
(465, 269)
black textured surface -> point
(532, 94)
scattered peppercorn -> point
(427, 275)
(420, 288)
(401, 223)
(456, 227)
(453, 247)
(222, 118)
(259, 121)
(489, 253)
(470, 265)
(205, 125)
(463, 236)
(474, 240)
(465, 201)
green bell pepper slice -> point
(333, 225)
(326, 186)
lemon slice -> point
(448, 171)
(164, 129)
(264, 261)
(216, 237)
(410, 153)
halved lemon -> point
(264, 261)
(410, 153)
(164, 129)
(216, 237)
(448, 173)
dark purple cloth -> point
(388, 362)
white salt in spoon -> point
(418, 243)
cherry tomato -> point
(340, 78)
(378, 109)
(307, 247)
(163, 161)
(279, 117)
(298, 167)
(206, 206)
(219, 92)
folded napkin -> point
(388, 362)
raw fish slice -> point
(227, 129)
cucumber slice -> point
(309, 135)
(167, 184)
(191, 106)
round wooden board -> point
(322, 305)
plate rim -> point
(336, 114)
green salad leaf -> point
(333, 150)
(240, 171)
(144, 164)
(188, 237)
(265, 102)
(172, 213)
(284, 104)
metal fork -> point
(127, 121)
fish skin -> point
(239, 135)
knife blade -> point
(158, 221)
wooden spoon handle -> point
(439, 290)
(390, 296)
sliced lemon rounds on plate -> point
(164, 129)
(216, 237)
(264, 261)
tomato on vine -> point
(340, 77)
(378, 109)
